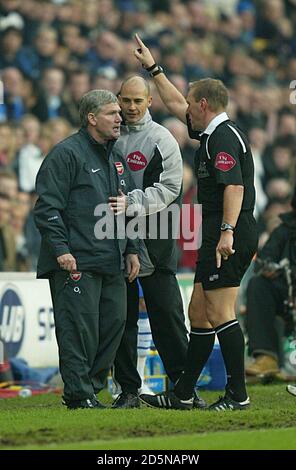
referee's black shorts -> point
(232, 270)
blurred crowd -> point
(52, 52)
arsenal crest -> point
(76, 276)
(119, 168)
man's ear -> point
(149, 101)
(203, 103)
(92, 119)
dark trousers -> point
(264, 301)
(165, 310)
(89, 318)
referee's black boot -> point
(227, 403)
(126, 400)
(166, 400)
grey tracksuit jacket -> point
(154, 159)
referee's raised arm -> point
(169, 94)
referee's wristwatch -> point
(156, 70)
(225, 226)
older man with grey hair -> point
(84, 266)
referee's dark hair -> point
(214, 91)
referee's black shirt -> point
(223, 158)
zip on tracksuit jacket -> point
(154, 159)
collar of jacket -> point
(140, 125)
(214, 123)
(106, 148)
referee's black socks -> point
(232, 344)
(199, 349)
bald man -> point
(155, 161)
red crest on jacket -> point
(119, 167)
(76, 276)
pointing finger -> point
(139, 40)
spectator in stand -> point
(30, 156)
(287, 124)
(258, 140)
(279, 190)
(50, 101)
(102, 81)
(278, 164)
(273, 28)
(179, 131)
(266, 296)
(7, 145)
(14, 106)
(32, 235)
(19, 215)
(107, 52)
(59, 129)
(46, 47)
(78, 85)
(7, 241)
(13, 53)
(9, 184)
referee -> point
(225, 175)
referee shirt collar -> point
(215, 123)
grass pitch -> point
(41, 422)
